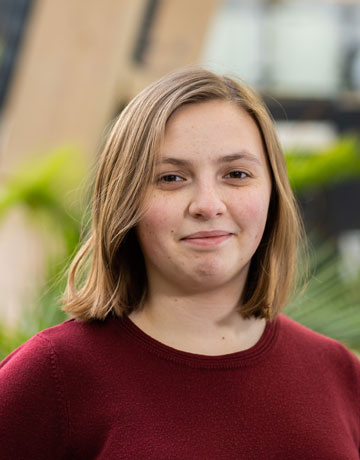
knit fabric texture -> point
(106, 390)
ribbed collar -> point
(231, 360)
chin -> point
(210, 278)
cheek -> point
(152, 229)
(153, 221)
(253, 212)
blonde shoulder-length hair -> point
(108, 273)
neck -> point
(205, 323)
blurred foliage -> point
(330, 302)
(313, 169)
(49, 190)
(43, 188)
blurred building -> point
(67, 68)
(304, 55)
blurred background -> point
(68, 68)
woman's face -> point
(207, 210)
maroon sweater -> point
(106, 390)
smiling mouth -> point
(208, 234)
(207, 238)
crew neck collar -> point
(230, 360)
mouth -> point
(212, 238)
(210, 234)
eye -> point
(170, 178)
(237, 175)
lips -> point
(210, 234)
(207, 240)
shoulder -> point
(306, 337)
(322, 351)
(33, 400)
(36, 360)
(74, 335)
(70, 341)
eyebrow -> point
(243, 155)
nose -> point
(206, 202)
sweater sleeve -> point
(33, 412)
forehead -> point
(213, 128)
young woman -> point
(176, 348)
